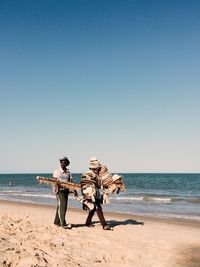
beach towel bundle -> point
(114, 183)
(88, 188)
(106, 176)
(110, 184)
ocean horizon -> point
(159, 195)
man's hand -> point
(75, 193)
(58, 183)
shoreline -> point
(178, 221)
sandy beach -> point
(29, 238)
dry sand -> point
(29, 238)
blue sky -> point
(118, 80)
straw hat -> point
(116, 177)
(94, 163)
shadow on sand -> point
(112, 223)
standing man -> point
(94, 175)
(62, 194)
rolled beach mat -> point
(106, 176)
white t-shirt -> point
(60, 174)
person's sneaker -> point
(67, 226)
(107, 227)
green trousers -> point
(62, 201)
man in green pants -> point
(62, 194)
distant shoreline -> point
(177, 221)
(161, 196)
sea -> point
(158, 195)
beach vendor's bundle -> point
(61, 183)
(88, 188)
(117, 184)
(114, 183)
(106, 176)
(88, 180)
(110, 184)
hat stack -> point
(94, 163)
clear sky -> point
(119, 80)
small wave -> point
(124, 199)
(187, 200)
(128, 198)
(179, 216)
(28, 195)
(169, 215)
(11, 192)
(143, 198)
(157, 199)
(194, 200)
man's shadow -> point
(113, 223)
